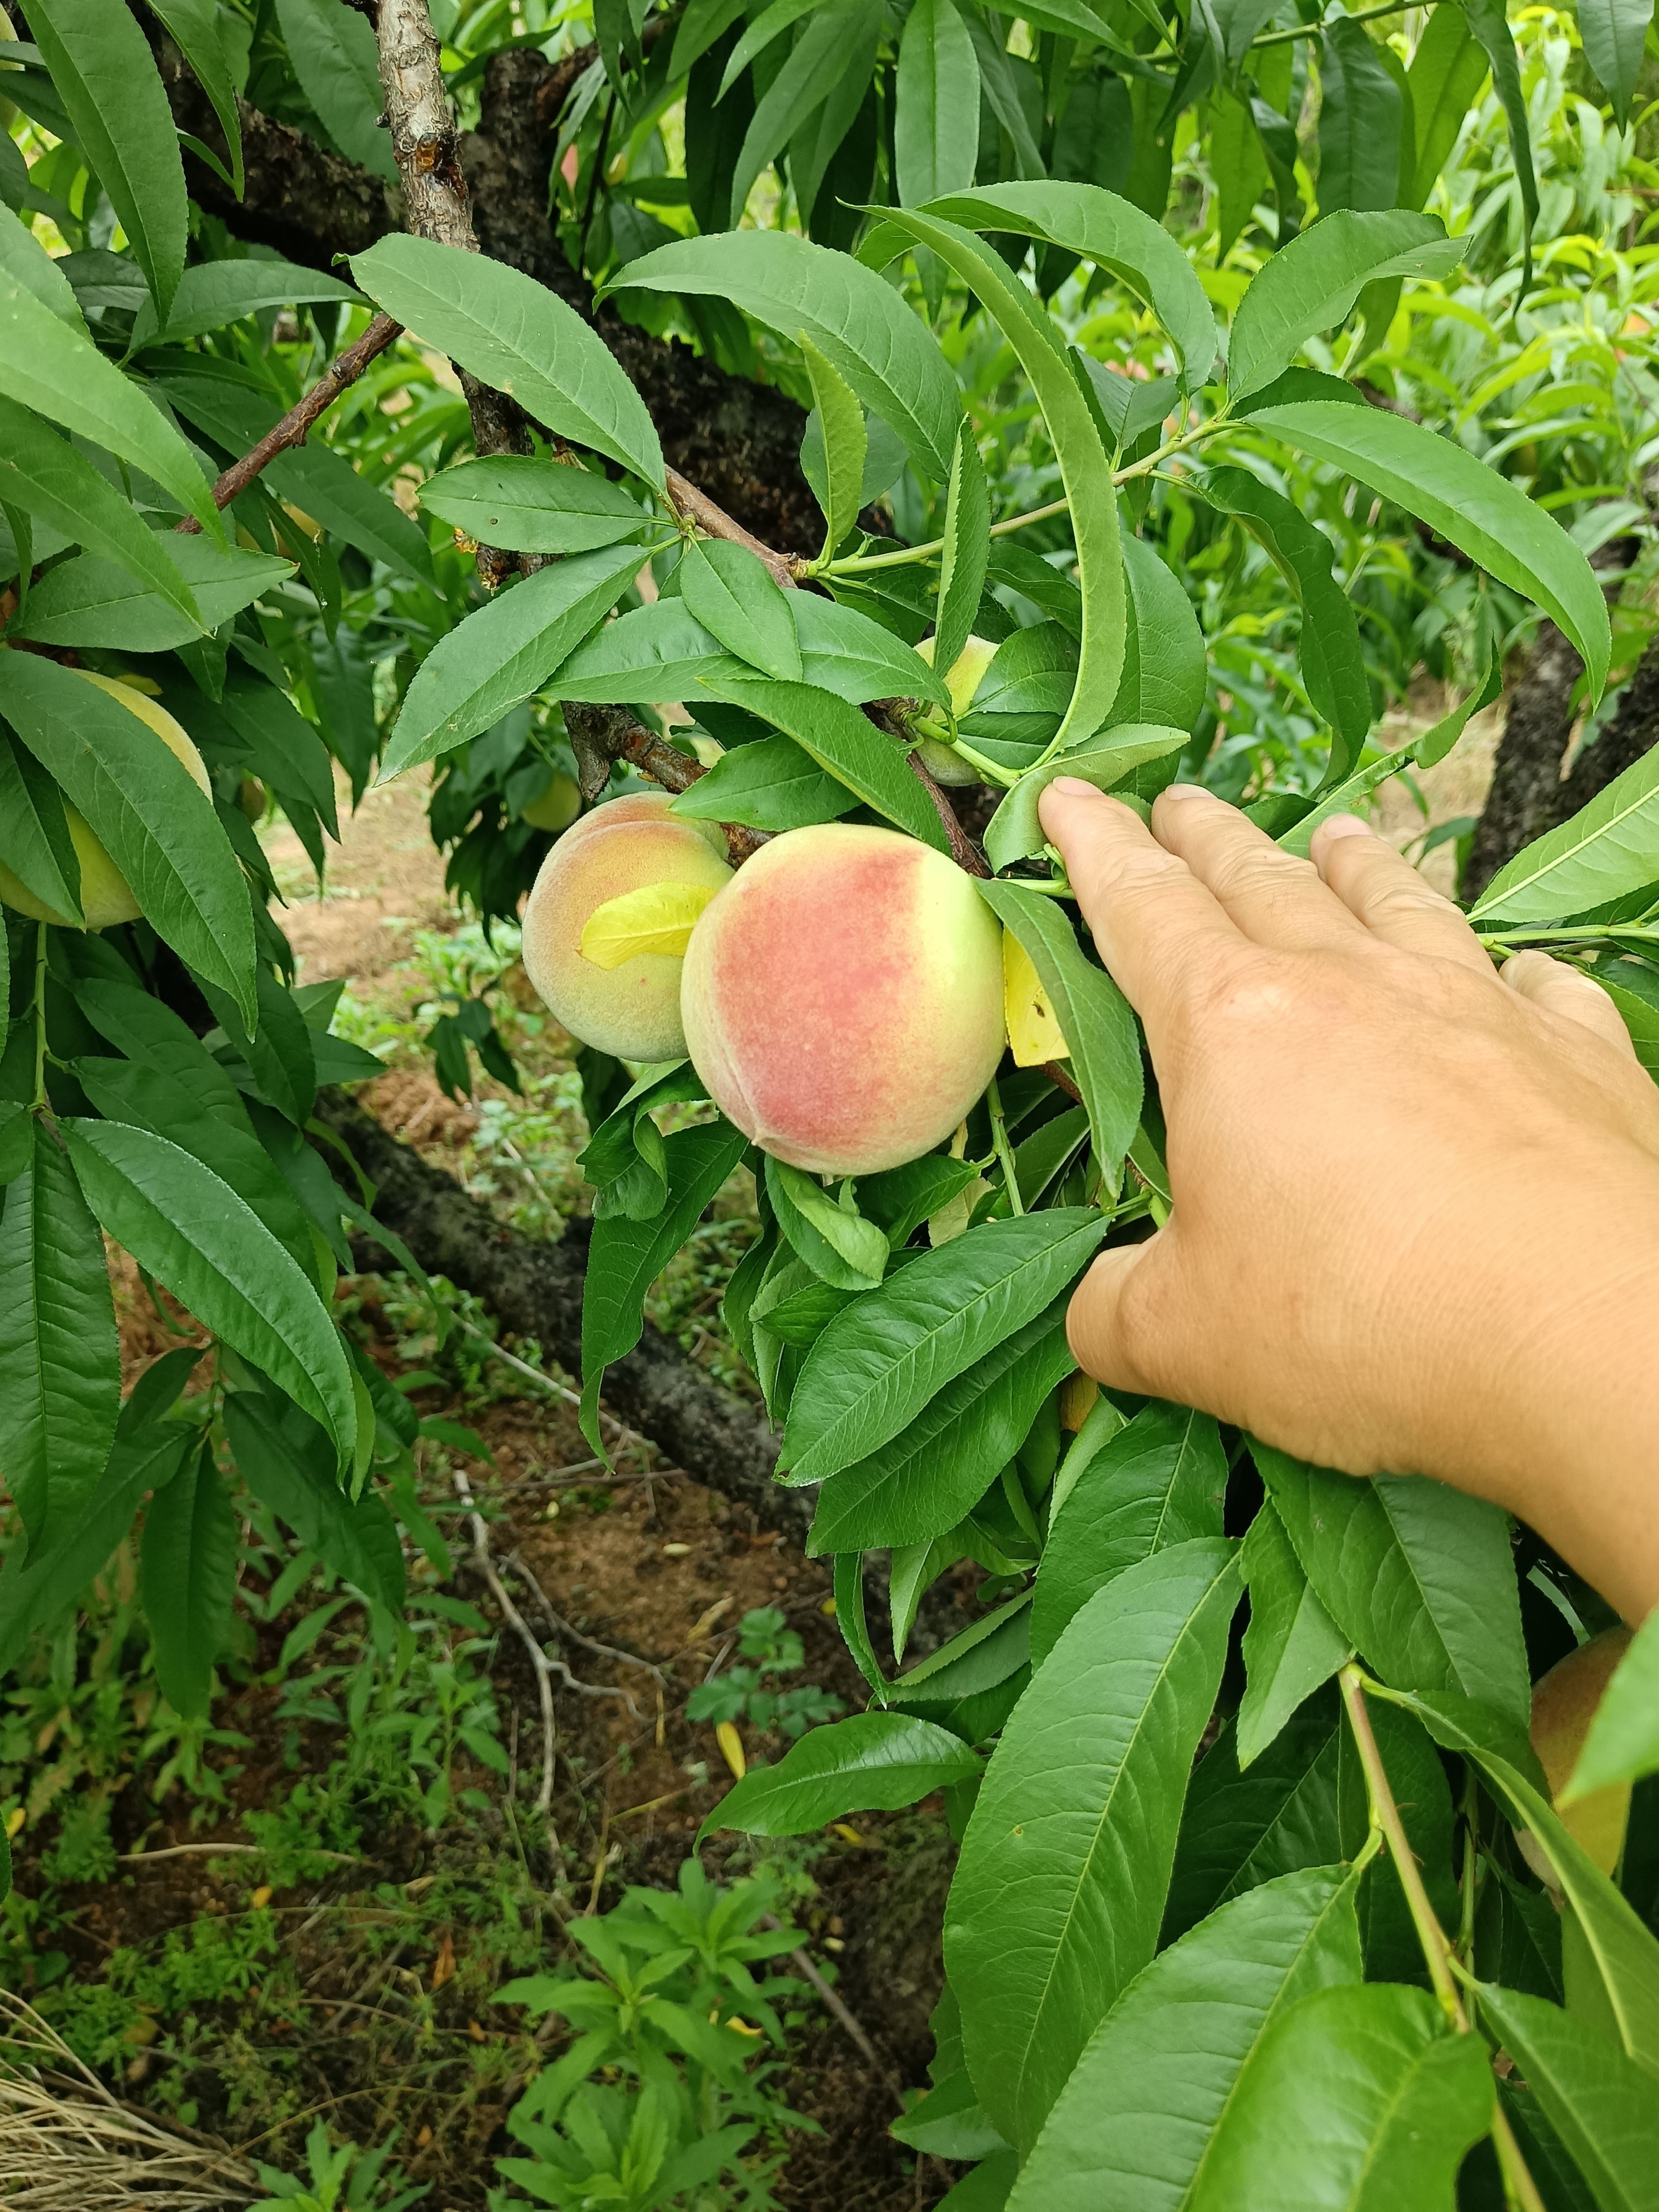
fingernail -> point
(1343, 825)
(1185, 791)
(1074, 787)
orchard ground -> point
(365, 1991)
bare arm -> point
(1416, 1204)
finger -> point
(1380, 887)
(1275, 898)
(1096, 1328)
(1159, 931)
(1131, 1323)
(1562, 991)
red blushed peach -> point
(633, 1010)
(842, 998)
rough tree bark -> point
(739, 442)
(534, 1289)
(436, 206)
(1525, 795)
(1528, 794)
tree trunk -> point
(1525, 796)
(1529, 795)
(739, 441)
(534, 1289)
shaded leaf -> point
(1292, 1644)
(925, 1480)
(1600, 2103)
(60, 1370)
(1093, 1013)
(188, 1561)
(205, 1243)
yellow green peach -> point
(631, 1008)
(106, 896)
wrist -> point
(1557, 1418)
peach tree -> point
(1263, 1892)
(1157, 1972)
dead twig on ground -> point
(560, 1626)
(868, 2050)
(538, 1658)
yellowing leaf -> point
(1034, 1035)
(730, 1744)
(656, 917)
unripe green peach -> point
(632, 1010)
(842, 998)
(106, 896)
(556, 806)
(967, 673)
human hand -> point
(1415, 1219)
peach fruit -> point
(1563, 1704)
(641, 806)
(842, 998)
(965, 675)
(632, 1010)
(556, 806)
(106, 896)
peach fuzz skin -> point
(842, 998)
(641, 806)
(633, 1011)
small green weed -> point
(751, 1693)
(344, 2180)
(669, 2018)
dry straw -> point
(67, 2145)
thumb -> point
(1119, 1323)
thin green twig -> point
(1004, 1151)
(1518, 2185)
(1317, 30)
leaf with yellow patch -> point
(656, 917)
(1034, 1035)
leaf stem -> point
(1004, 1154)
(859, 563)
(39, 1015)
(1519, 2187)
(1570, 933)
